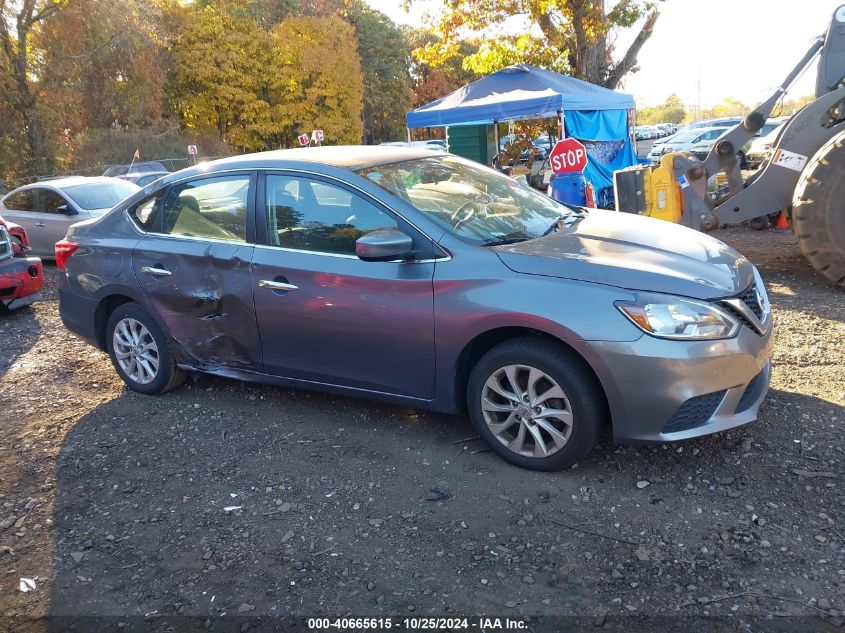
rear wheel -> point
(535, 404)
(819, 210)
(140, 352)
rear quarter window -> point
(145, 214)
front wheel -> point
(535, 404)
(140, 352)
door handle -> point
(276, 285)
(158, 272)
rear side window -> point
(213, 208)
(20, 201)
(145, 214)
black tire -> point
(585, 398)
(169, 376)
(759, 224)
(818, 210)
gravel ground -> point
(232, 498)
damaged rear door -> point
(194, 268)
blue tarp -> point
(594, 115)
(520, 91)
(609, 146)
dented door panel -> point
(202, 291)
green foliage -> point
(221, 58)
(572, 36)
(314, 81)
(388, 92)
(672, 110)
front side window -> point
(51, 201)
(20, 201)
(316, 216)
(213, 208)
(470, 200)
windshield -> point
(470, 200)
(100, 195)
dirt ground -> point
(225, 498)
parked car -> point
(46, 209)
(761, 147)
(19, 238)
(724, 122)
(435, 144)
(697, 141)
(142, 179)
(134, 168)
(421, 278)
(21, 276)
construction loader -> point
(804, 175)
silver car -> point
(46, 209)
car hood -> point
(636, 253)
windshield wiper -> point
(555, 226)
(501, 241)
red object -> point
(64, 249)
(15, 230)
(568, 156)
(303, 139)
(782, 222)
(21, 279)
(590, 194)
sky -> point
(739, 49)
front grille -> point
(752, 392)
(749, 298)
(694, 412)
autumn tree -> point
(222, 58)
(672, 110)
(314, 81)
(572, 36)
(20, 71)
(388, 93)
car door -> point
(193, 265)
(325, 315)
(57, 214)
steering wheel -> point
(469, 214)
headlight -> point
(677, 318)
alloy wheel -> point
(135, 350)
(527, 410)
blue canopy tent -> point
(596, 116)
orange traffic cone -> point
(782, 222)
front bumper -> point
(21, 279)
(662, 390)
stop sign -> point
(568, 156)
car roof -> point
(70, 181)
(352, 157)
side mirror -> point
(66, 209)
(384, 245)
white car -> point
(696, 141)
(47, 208)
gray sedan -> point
(46, 209)
(420, 278)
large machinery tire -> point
(818, 210)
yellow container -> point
(665, 201)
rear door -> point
(193, 265)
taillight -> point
(64, 249)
